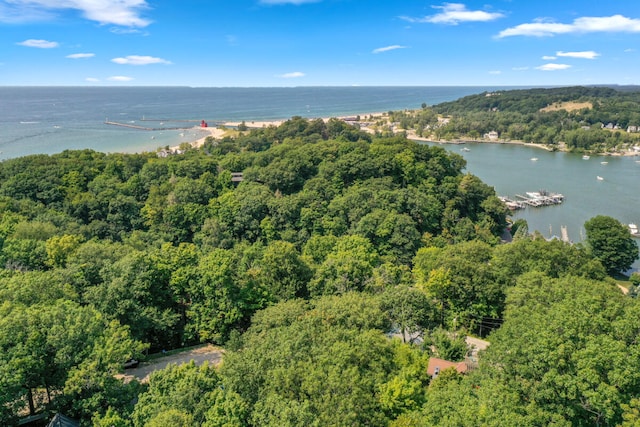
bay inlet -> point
(509, 168)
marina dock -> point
(534, 199)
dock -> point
(534, 199)
(512, 204)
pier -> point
(534, 199)
(161, 123)
(132, 126)
(512, 204)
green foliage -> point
(409, 310)
(566, 345)
(282, 271)
(520, 115)
(334, 241)
(611, 243)
(68, 351)
(321, 365)
(182, 393)
(346, 268)
(446, 345)
(462, 281)
(553, 258)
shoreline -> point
(220, 131)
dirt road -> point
(199, 355)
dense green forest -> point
(316, 272)
(596, 119)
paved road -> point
(199, 355)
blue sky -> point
(319, 42)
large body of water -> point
(47, 120)
(51, 119)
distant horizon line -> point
(319, 86)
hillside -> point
(303, 249)
(593, 119)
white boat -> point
(604, 163)
(465, 149)
(633, 229)
(599, 178)
(534, 159)
(585, 157)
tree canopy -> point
(331, 273)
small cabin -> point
(204, 124)
(438, 365)
(236, 177)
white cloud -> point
(139, 60)
(296, 2)
(293, 75)
(91, 80)
(454, 13)
(495, 72)
(41, 44)
(587, 54)
(117, 12)
(553, 67)
(520, 68)
(629, 50)
(549, 58)
(388, 48)
(81, 55)
(608, 24)
(119, 79)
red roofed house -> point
(438, 365)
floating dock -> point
(534, 199)
(512, 204)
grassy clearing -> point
(568, 106)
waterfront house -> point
(493, 135)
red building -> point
(203, 124)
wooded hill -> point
(334, 241)
(576, 118)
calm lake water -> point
(510, 170)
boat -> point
(534, 159)
(633, 229)
(604, 163)
(599, 178)
(585, 157)
(465, 149)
